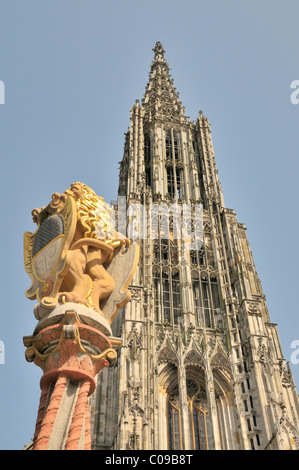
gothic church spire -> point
(161, 100)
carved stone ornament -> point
(135, 294)
(193, 358)
(219, 357)
(134, 343)
(167, 352)
(253, 309)
(264, 356)
(284, 375)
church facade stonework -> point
(200, 365)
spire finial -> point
(158, 50)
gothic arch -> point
(167, 353)
(195, 373)
(219, 357)
(193, 357)
(222, 373)
(168, 377)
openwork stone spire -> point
(161, 100)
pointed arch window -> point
(167, 293)
(205, 285)
(206, 298)
(200, 422)
(174, 170)
(200, 425)
(168, 145)
(199, 417)
(147, 159)
(176, 146)
(166, 277)
(173, 145)
(170, 182)
(166, 297)
(174, 421)
(179, 183)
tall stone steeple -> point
(201, 365)
(161, 100)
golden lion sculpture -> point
(68, 256)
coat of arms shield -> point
(45, 250)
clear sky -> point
(72, 69)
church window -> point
(199, 418)
(200, 425)
(201, 257)
(147, 148)
(193, 257)
(174, 172)
(176, 296)
(167, 292)
(166, 276)
(168, 145)
(197, 300)
(147, 159)
(206, 297)
(174, 421)
(157, 295)
(170, 182)
(179, 184)
(206, 303)
(215, 293)
(166, 297)
(176, 146)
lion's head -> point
(93, 213)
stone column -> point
(184, 408)
(212, 405)
(70, 353)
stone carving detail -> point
(264, 356)
(161, 99)
(219, 358)
(135, 294)
(134, 343)
(285, 376)
(167, 355)
(193, 357)
(254, 309)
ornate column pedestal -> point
(70, 353)
(80, 270)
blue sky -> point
(72, 69)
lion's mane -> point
(93, 213)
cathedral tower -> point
(201, 365)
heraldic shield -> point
(46, 250)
